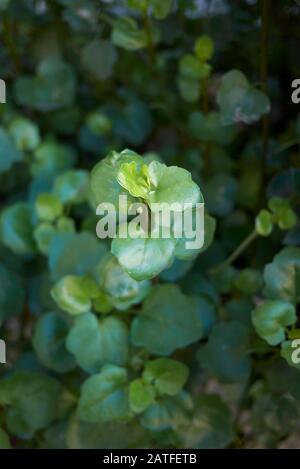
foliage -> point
(141, 342)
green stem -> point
(238, 251)
(286, 146)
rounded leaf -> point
(49, 343)
(271, 318)
(167, 321)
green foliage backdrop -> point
(141, 343)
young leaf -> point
(48, 207)
(167, 375)
(134, 180)
(141, 395)
(71, 295)
(103, 180)
(127, 35)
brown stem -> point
(247, 241)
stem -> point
(238, 251)
(286, 146)
(205, 96)
(264, 78)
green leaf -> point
(9, 154)
(74, 254)
(167, 413)
(168, 376)
(98, 342)
(71, 186)
(65, 225)
(195, 220)
(238, 101)
(178, 269)
(71, 295)
(264, 223)
(112, 435)
(49, 343)
(127, 35)
(210, 224)
(52, 88)
(206, 311)
(134, 121)
(209, 128)
(52, 158)
(226, 352)
(211, 426)
(134, 180)
(204, 48)
(4, 4)
(161, 8)
(25, 134)
(220, 194)
(171, 184)
(290, 352)
(140, 5)
(145, 257)
(122, 289)
(99, 57)
(103, 398)
(271, 318)
(189, 88)
(32, 399)
(189, 66)
(4, 439)
(283, 213)
(248, 281)
(16, 230)
(48, 207)
(141, 395)
(98, 123)
(103, 181)
(282, 280)
(43, 235)
(167, 321)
